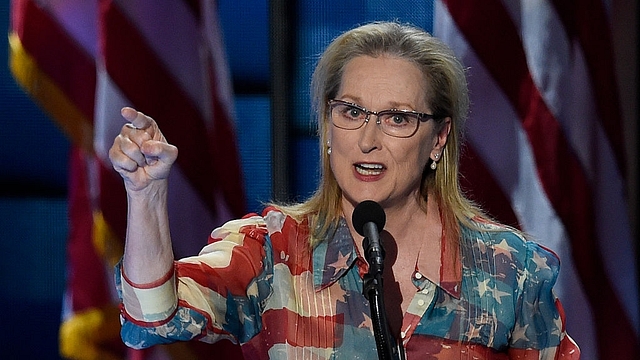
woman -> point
(391, 102)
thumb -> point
(155, 151)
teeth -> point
(369, 169)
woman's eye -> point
(354, 113)
(398, 119)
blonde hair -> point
(447, 95)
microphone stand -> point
(373, 291)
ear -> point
(441, 139)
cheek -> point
(411, 160)
(337, 158)
(341, 146)
(413, 154)
(411, 169)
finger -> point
(159, 151)
(137, 119)
(131, 149)
(134, 134)
(121, 162)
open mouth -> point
(369, 169)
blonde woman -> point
(391, 102)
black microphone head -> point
(368, 211)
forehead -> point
(383, 80)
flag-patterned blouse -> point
(258, 282)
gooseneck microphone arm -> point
(373, 250)
(373, 291)
(368, 219)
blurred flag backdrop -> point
(84, 60)
(545, 150)
(546, 127)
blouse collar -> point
(333, 257)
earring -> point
(434, 163)
(329, 150)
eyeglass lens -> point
(392, 122)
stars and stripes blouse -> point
(258, 282)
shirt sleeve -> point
(539, 331)
(217, 294)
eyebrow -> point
(394, 105)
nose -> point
(370, 133)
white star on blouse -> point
(541, 262)
(340, 264)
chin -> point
(358, 198)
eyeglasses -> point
(393, 122)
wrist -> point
(156, 191)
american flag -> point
(84, 60)
(545, 135)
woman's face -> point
(367, 163)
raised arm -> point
(142, 156)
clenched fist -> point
(140, 153)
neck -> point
(406, 221)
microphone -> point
(368, 220)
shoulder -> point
(271, 220)
(499, 238)
(508, 242)
(289, 234)
(251, 225)
(271, 224)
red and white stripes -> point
(167, 71)
(550, 136)
(83, 61)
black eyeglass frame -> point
(422, 117)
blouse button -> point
(420, 302)
(418, 276)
